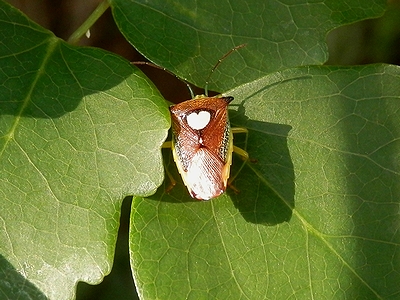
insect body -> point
(202, 144)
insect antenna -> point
(147, 63)
(218, 63)
(137, 63)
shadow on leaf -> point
(266, 185)
(14, 286)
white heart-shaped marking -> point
(199, 120)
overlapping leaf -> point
(188, 37)
(80, 129)
(317, 214)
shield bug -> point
(202, 142)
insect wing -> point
(202, 144)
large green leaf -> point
(188, 37)
(80, 129)
(317, 216)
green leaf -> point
(188, 37)
(80, 129)
(317, 214)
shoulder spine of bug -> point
(202, 142)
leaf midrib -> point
(53, 42)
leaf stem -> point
(81, 31)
